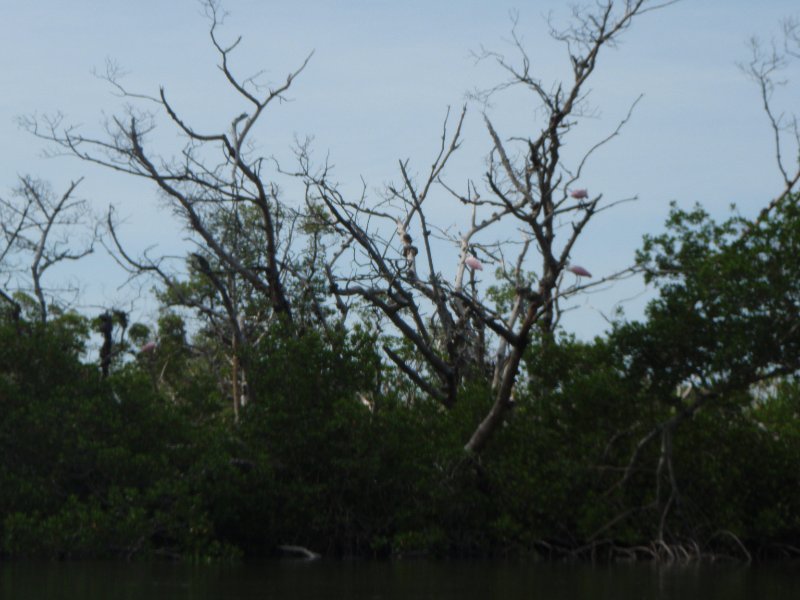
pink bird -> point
(473, 263)
(581, 194)
(578, 270)
(148, 348)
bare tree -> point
(40, 226)
(766, 65)
(527, 189)
(231, 205)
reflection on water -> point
(407, 580)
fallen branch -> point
(301, 551)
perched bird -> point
(473, 263)
(202, 263)
(581, 194)
(147, 348)
(578, 270)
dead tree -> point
(39, 232)
(765, 68)
(215, 173)
(394, 248)
(228, 199)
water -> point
(407, 580)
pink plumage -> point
(473, 263)
(148, 348)
(579, 271)
(579, 194)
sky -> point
(376, 91)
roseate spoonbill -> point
(473, 263)
(147, 348)
(578, 270)
(581, 194)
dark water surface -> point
(460, 580)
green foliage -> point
(729, 296)
(723, 330)
(335, 451)
(90, 467)
(343, 474)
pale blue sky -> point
(377, 89)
